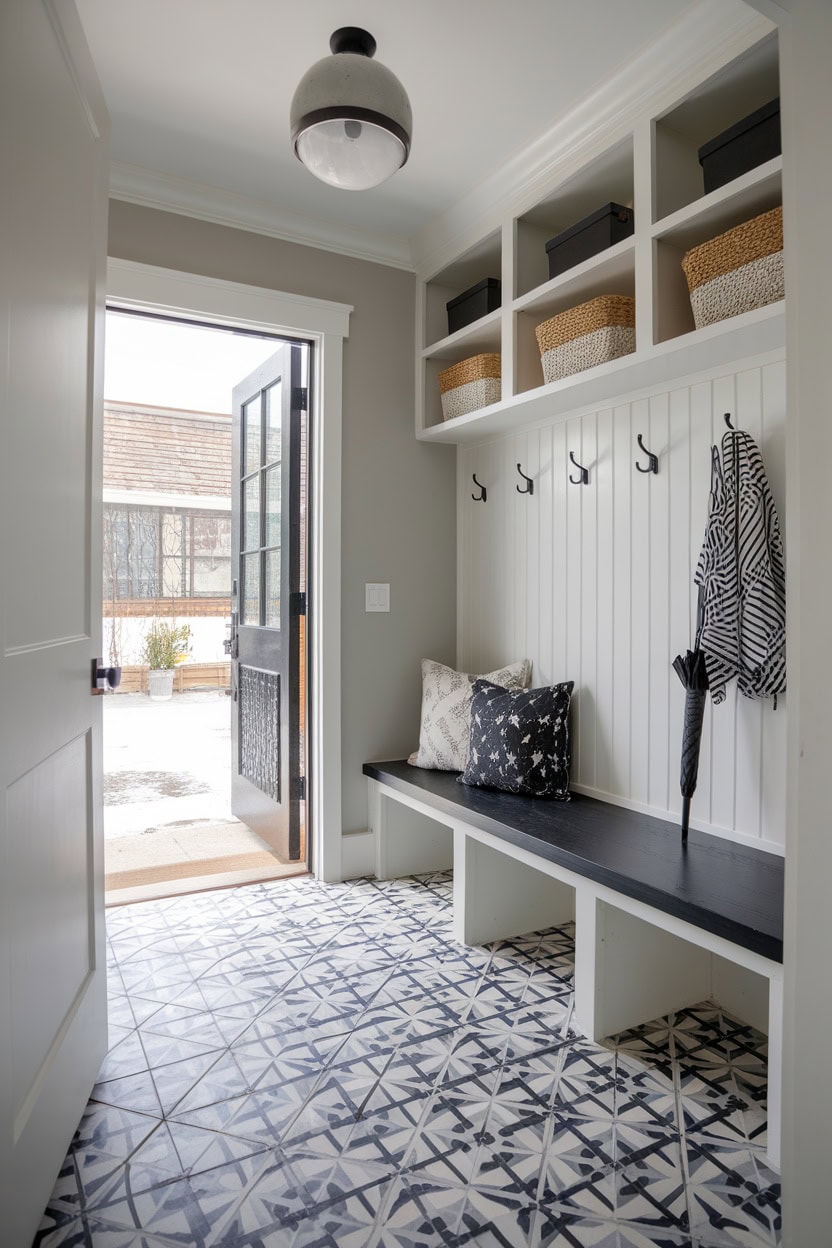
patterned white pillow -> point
(446, 711)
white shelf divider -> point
(752, 334)
(601, 274)
(745, 197)
(480, 335)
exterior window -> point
(152, 552)
(210, 555)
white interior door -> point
(53, 202)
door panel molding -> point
(48, 807)
(50, 644)
(325, 324)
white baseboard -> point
(358, 854)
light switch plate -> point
(376, 597)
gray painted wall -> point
(398, 507)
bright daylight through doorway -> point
(192, 563)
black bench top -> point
(732, 890)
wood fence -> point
(185, 676)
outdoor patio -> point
(168, 826)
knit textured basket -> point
(737, 271)
(469, 385)
(592, 333)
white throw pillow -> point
(446, 711)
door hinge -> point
(297, 604)
(299, 788)
(300, 398)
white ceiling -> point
(200, 89)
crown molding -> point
(700, 43)
(169, 193)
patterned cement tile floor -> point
(297, 1064)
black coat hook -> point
(483, 495)
(583, 479)
(653, 465)
(528, 488)
(727, 419)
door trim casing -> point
(143, 287)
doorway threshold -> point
(190, 857)
(123, 896)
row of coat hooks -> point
(583, 473)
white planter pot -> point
(160, 684)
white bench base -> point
(633, 963)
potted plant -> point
(164, 646)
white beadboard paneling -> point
(544, 492)
(622, 624)
(675, 465)
(572, 583)
(595, 584)
(589, 624)
(749, 720)
(604, 565)
(530, 463)
(724, 716)
(640, 611)
(559, 596)
(773, 785)
(659, 587)
(701, 438)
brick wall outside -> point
(165, 450)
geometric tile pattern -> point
(296, 1064)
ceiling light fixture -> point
(350, 117)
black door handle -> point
(104, 679)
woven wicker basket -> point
(591, 333)
(737, 271)
(469, 385)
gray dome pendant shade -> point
(350, 117)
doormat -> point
(141, 876)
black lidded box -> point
(601, 229)
(474, 303)
(749, 143)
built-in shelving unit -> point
(654, 168)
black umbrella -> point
(691, 670)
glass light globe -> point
(353, 155)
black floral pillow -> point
(520, 740)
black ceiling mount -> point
(352, 39)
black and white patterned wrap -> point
(520, 740)
(742, 576)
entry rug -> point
(298, 1064)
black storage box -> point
(749, 143)
(595, 233)
(474, 303)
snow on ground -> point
(166, 763)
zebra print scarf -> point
(741, 576)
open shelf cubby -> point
(753, 193)
(611, 272)
(744, 85)
(608, 179)
(480, 261)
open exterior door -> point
(53, 226)
(268, 602)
